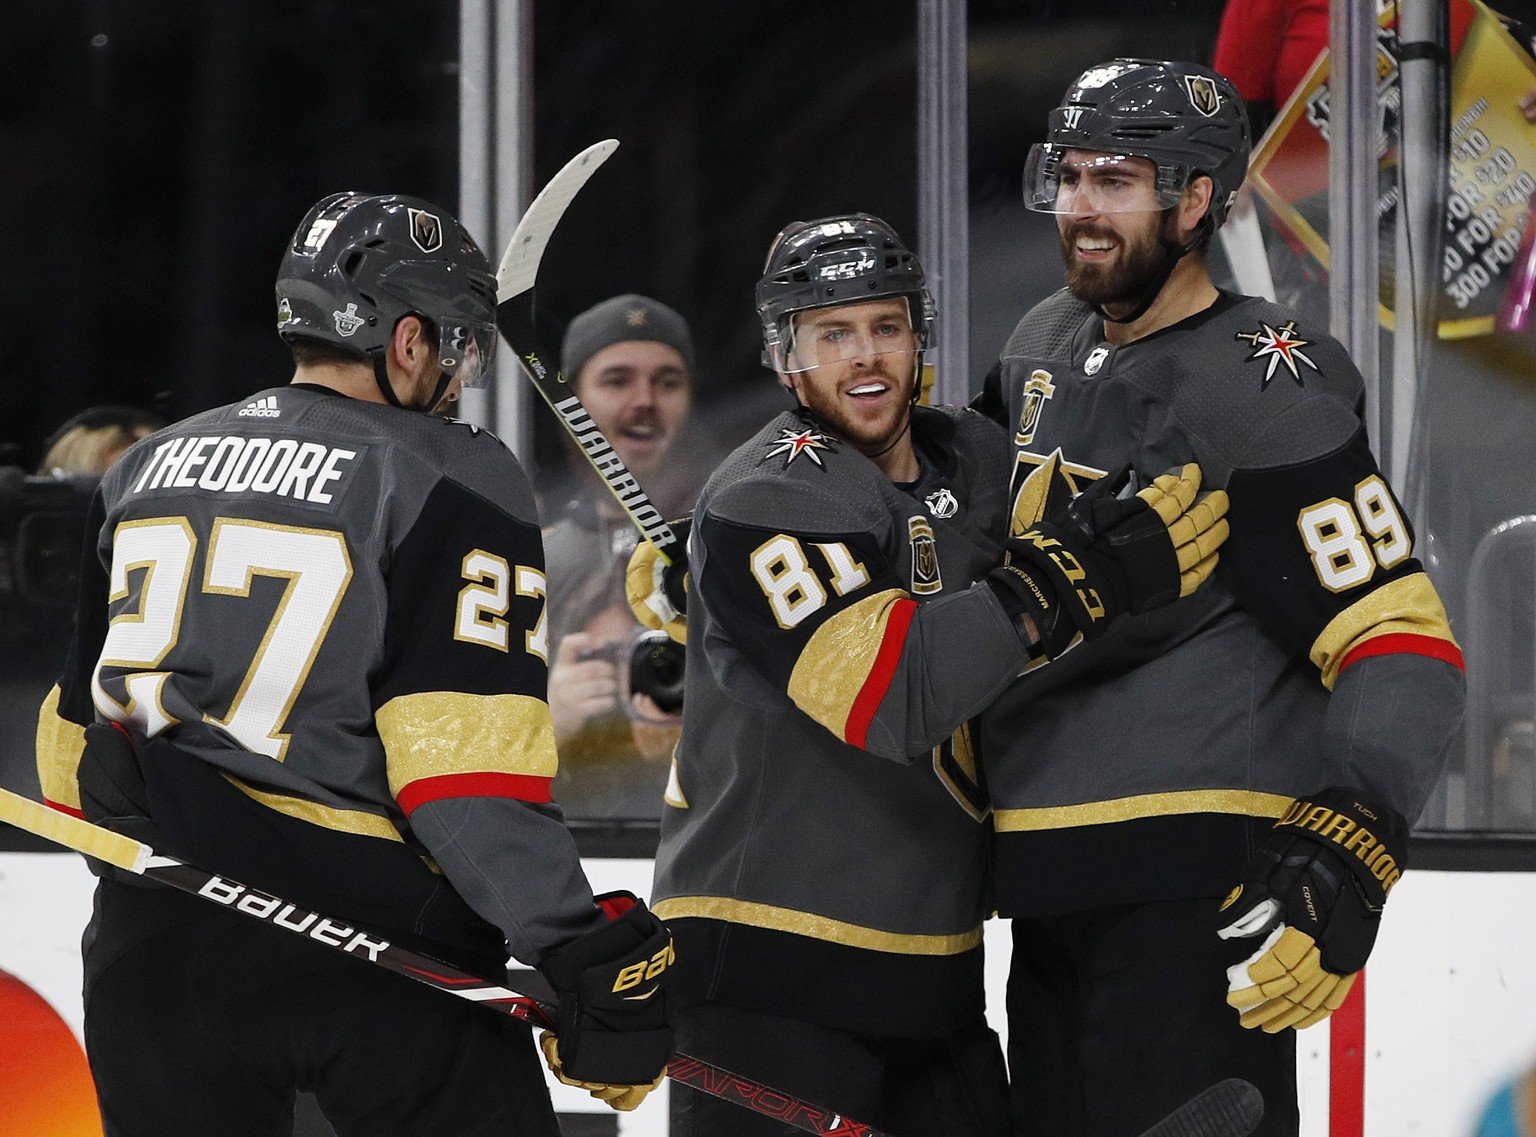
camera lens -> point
(656, 669)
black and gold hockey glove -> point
(657, 591)
(613, 1025)
(1314, 890)
(1110, 552)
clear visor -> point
(1060, 180)
(824, 337)
(466, 352)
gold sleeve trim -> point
(59, 746)
(433, 733)
(836, 663)
(342, 820)
(778, 919)
(1250, 803)
(1409, 605)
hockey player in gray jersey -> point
(310, 655)
(827, 901)
(1261, 747)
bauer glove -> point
(1109, 553)
(657, 591)
(613, 1024)
(1314, 890)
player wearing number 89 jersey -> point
(1221, 788)
(315, 622)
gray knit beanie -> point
(627, 317)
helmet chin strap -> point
(1173, 253)
(387, 389)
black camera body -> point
(649, 663)
(42, 532)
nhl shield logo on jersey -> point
(1203, 95)
(925, 558)
(1036, 390)
(793, 443)
(942, 503)
(426, 230)
(1278, 346)
(1095, 360)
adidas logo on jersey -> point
(264, 407)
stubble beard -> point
(863, 436)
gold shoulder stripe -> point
(59, 746)
(1409, 604)
(357, 821)
(447, 732)
(778, 919)
(832, 669)
(1249, 803)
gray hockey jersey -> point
(1143, 765)
(339, 608)
(807, 866)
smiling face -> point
(1109, 220)
(855, 366)
(639, 393)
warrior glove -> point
(1109, 552)
(1314, 890)
(657, 591)
(613, 1025)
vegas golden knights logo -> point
(1203, 95)
(925, 558)
(1036, 391)
(426, 230)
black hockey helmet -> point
(360, 262)
(845, 259)
(1184, 118)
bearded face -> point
(1112, 259)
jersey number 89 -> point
(1332, 532)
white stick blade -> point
(520, 263)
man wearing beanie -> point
(630, 361)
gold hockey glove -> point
(1315, 890)
(622, 1098)
(657, 591)
(1110, 552)
(613, 1024)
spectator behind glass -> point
(33, 639)
(95, 438)
(631, 361)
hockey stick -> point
(136, 857)
(1232, 1108)
(515, 320)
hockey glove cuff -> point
(1109, 553)
(614, 1022)
(657, 591)
(112, 794)
(1315, 890)
(622, 1098)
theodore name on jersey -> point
(236, 464)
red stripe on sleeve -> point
(62, 808)
(878, 681)
(1406, 643)
(520, 787)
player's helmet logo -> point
(426, 230)
(1203, 94)
(349, 321)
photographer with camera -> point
(615, 689)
